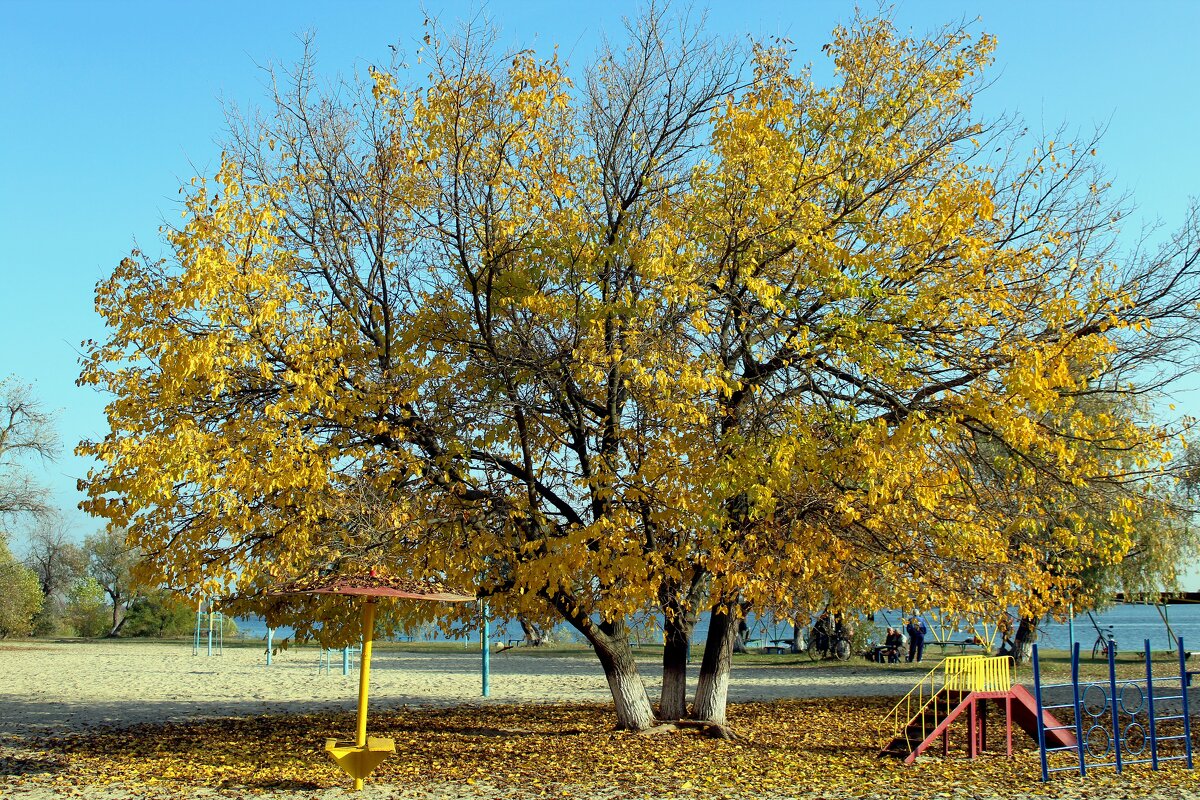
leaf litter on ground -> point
(813, 748)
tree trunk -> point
(742, 636)
(632, 704)
(118, 618)
(678, 601)
(610, 640)
(677, 634)
(533, 637)
(712, 691)
(797, 636)
(1022, 645)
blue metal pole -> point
(1150, 709)
(1041, 725)
(486, 646)
(346, 660)
(210, 627)
(1187, 716)
(270, 636)
(1075, 698)
(1116, 717)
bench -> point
(509, 645)
(962, 645)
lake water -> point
(1131, 625)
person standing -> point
(822, 633)
(916, 638)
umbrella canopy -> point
(373, 585)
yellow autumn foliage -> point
(677, 337)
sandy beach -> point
(56, 686)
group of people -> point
(892, 649)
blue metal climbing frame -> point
(1114, 721)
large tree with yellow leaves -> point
(694, 334)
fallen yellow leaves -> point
(806, 748)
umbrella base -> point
(359, 761)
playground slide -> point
(1024, 713)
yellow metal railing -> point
(936, 694)
(978, 673)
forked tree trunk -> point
(712, 691)
(118, 619)
(533, 636)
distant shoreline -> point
(1132, 623)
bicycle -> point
(825, 646)
(1104, 640)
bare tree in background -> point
(58, 562)
(26, 429)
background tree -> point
(160, 614)
(87, 610)
(111, 562)
(20, 597)
(26, 430)
(682, 338)
(1143, 510)
(58, 563)
(1186, 471)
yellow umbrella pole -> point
(358, 758)
(364, 677)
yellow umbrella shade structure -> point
(360, 757)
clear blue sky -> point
(110, 106)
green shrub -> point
(158, 614)
(87, 609)
(20, 595)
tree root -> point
(699, 727)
